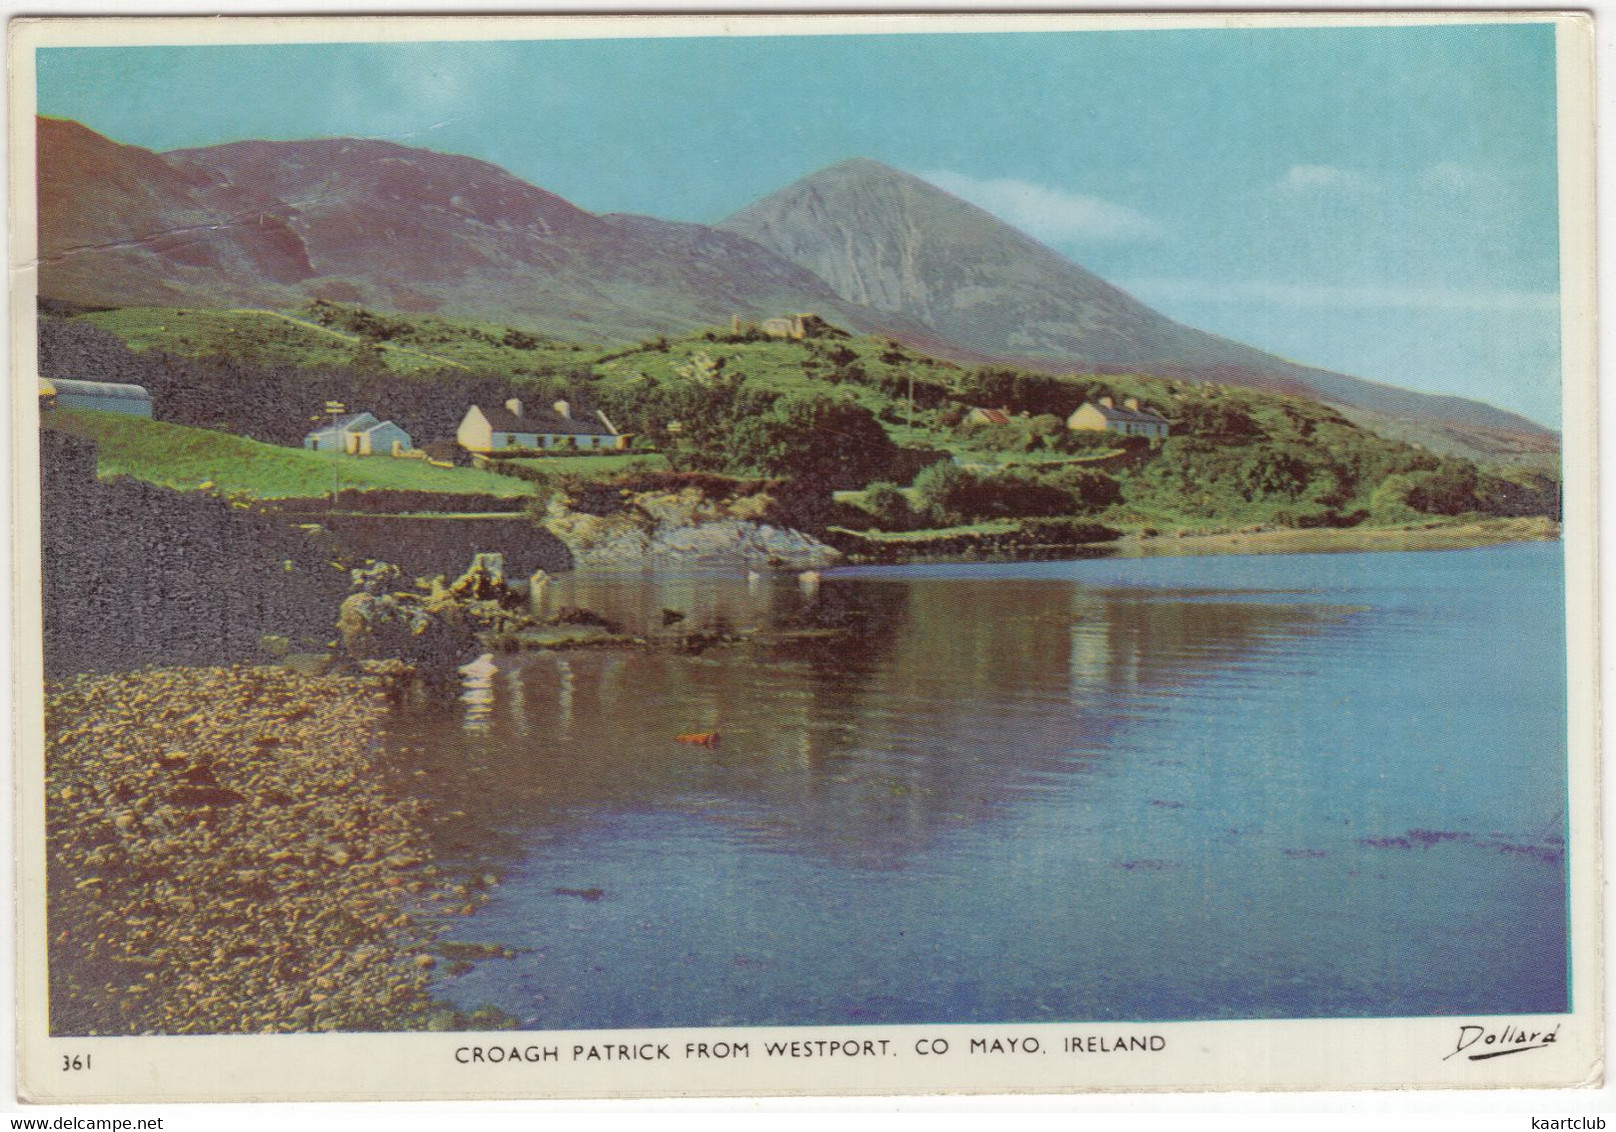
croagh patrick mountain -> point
(274, 224)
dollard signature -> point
(1480, 1043)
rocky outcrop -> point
(683, 529)
(434, 626)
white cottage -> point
(359, 434)
(383, 439)
(1130, 420)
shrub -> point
(907, 463)
(1213, 416)
(519, 470)
(1388, 503)
(538, 504)
(941, 491)
(950, 494)
(889, 506)
(1066, 531)
(713, 487)
(821, 441)
(1084, 440)
(1047, 425)
(1088, 488)
(1450, 490)
(1274, 471)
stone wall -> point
(136, 575)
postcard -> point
(732, 556)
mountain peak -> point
(865, 175)
(860, 166)
(889, 240)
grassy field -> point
(1447, 534)
(986, 527)
(1037, 459)
(187, 458)
(783, 366)
(262, 337)
(296, 338)
(861, 498)
(608, 464)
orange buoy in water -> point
(699, 738)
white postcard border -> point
(1300, 1055)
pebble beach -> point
(223, 857)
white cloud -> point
(1448, 176)
(1331, 178)
(417, 88)
(1049, 214)
(1295, 295)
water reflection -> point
(865, 722)
(1142, 790)
(477, 693)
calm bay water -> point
(1180, 788)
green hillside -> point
(319, 335)
(186, 458)
(831, 412)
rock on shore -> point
(222, 858)
(682, 529)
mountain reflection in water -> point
(1025, 792)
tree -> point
(1047, 425)
(1450, 490)
(1088, 488)
(1208, 416)
(887, 502)
(831, 444)
(943, 490)
(1271, 470)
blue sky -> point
(1379, 201)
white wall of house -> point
(528, 440)
(474, 434)
(362, 436)
(382, 440)
(1089, 418)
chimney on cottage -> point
(1131, 403)
(515, 407)
(563, 410)
(1107, 403)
